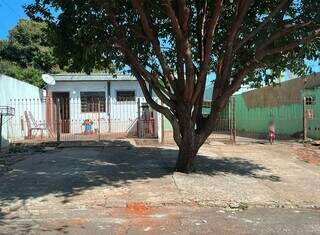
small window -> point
(310, 100)
(126, 96)
(90, 102)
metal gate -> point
(225, 129)
(61, 118)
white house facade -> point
(112, 103)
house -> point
(78, 107)
(99, 103)
(12, 92)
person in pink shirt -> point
(272, 132)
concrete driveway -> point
(117, 188)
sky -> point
(12, 10)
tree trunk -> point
(188, 142)
(186, 157)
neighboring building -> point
(12, 90)
(282, 104)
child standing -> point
(87, 126)
(272, 132)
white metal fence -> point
(76, 119)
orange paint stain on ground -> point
(138, 208)
(144, 219)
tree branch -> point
(165, 111)
(290, 46)
(147, 27)
(285, 30)
(207, 50)
(281, 5)
(227, 58)
(135, 64)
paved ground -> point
(117, 188)
(167, 220)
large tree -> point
(172, 45)
(27, 46)
(27, 52)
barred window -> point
(126, 96)
(310, 100)
(90, 102)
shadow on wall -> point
(68, 172)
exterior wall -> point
(314, 124)
(282, 104)
(123, 115)
(12, 90)
(74, 88)
(288, 118)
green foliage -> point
(28, 46)
(28, 53)
(85, 36)
(29, 74)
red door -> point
(64, 109)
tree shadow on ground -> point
(67, 172)
(234, 165)
(226, 165)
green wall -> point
(167, 125)
(288, 118)
(314, 124)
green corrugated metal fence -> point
(313, 124)
(288, 118)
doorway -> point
(64, 109)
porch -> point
(68, 119)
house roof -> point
(92, 77)
(312, 81)
(287, 92)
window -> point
(310, 100)
(126, 96)
(90, 102)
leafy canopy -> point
(87, 36)
(28, 46)
(27, 53)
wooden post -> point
(234, 120)
(162, 127)
(138, 119)
(1, 122)
(58, 120)
(99, 125)
(305, 133)
(109, 105)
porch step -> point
(150, 141)
(94, 144)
